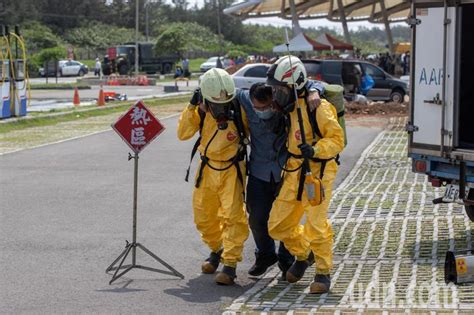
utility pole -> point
(137, 2)
(146, 18)
(219, 26)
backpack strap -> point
(202, 116)
(238, 121)
(314, 123)
(241, 154)
(243, 141)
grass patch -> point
(60, 86)
(195, 64)
(46, 119)
(90, 63)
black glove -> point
(307, 151)
(197, 97)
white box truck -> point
(441, 120)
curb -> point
(86, 87)
(91, 108)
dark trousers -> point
(260, 197)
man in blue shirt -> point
(267, 155)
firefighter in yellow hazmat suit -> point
(218, 195)
(325, 140)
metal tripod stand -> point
(132, 247)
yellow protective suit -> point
(219, 213)
(284, 223)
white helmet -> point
(280, 73)
(217, 86)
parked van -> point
(386, 88)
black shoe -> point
(212, 263)
(321, 284)
(284, 268)
(262, 262)
(297, 270)
(311, 258)
(226, 276)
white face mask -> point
(265, 114)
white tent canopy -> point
(298, 43)
(301, 43)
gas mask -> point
(221, 113)
(283, 98)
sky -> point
(311, 23)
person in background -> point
(185, 64)
(178, 73)
(97, 67)
(406, 63)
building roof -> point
(355, 10)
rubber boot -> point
(226, 276)
(297, 270)
(211, 264)
(262, 262)
(284, 268)
(321, 284)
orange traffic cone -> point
(101, 100)
(76, 101)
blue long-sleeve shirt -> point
(265, 160)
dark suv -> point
(386, 88)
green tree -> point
(47, 54)
(180, 38)
(38, 36)
(92, 36)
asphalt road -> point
(48, 99)
(66, 211)
(93, 93)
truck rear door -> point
(426, 78)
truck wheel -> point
(470, 212)
(167, 68)
(123, 70)
(397, 96)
